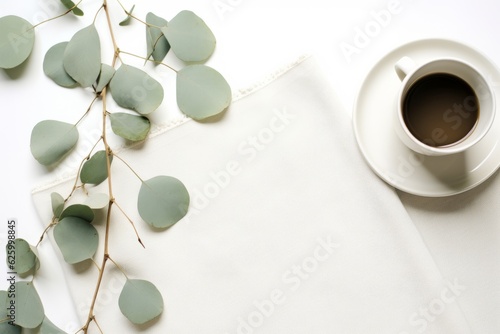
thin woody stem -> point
(109, 153)
(58, 16)
(147, 59)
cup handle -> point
(404, 66)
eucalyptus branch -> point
(91, 316)
(78, 63)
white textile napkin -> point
(289, 231)
(462, 233)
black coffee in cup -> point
(440, 109)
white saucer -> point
(390, 158)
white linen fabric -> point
(289, 231)
(462, 232)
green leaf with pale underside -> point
(134, 89)
(82, 57)
(51, 140)
(163, 201)
(71, 5)
(140, 301)
(156, 43)
(202, 92)
(17, 38)
(53, 66)
(105, 77)
(189, 37)
(5, 327)
(57, 202)
(78, 210)
(26, 259)
(130, 127)
(97, 200)
(127, 20)
(29, 308)
(76, 238)
(95, 170)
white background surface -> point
(254, 38)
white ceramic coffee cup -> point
(410, 72)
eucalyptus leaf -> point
(53, 66)
(57, 202)
(95, 170)
(163, 201)
(52, 140)
(97, 201)
(105, 77)
(82, 58)
(140, 301)
(29, 308)
(130, 127)
(17, 38)
(134, 89)
(26, 259)
(71, 5)
(202, 92)
(190, 38)
(76, 238)
(81, 211)
(48, 327)
(156, 43)
(126, 21)
(5, 326)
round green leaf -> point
(190, 38)
(82, 58)
(95, 170)
(29, 308)
(49, 328)
(140, 301)
(163, 201)
(53, 66)
(80, 211)
(202, 91)
(26, 260)
(156, 43)
(70, 4)
(17, 37)
(57, 202)
(52, 140)
(134, 89)
(130, 127)
(5, 327)
(97, 200)
(105, 77)
(76, 238)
